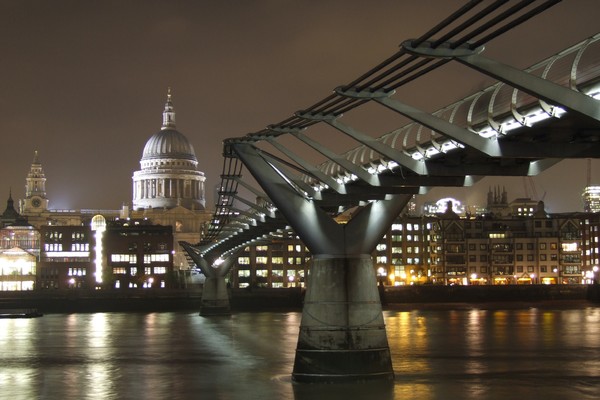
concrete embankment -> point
(263, 299)
(481, 294)
(75, 301)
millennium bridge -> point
(520, 126)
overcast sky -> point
(85, 82)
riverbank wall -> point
(264, 299)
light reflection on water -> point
(437, 354)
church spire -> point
(169, 113)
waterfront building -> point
(19, 250)
(590, 252)
(449, 249)
(67, 257)
(137, 254)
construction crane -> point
(528, 184)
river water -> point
(463, 353)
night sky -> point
(85, 82)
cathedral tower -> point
(35, 189)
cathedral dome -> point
(169, 175)
(168, 143)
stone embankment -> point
(263, 299)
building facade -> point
(448, 249)
(137, 254)
(67, 257)
(19, 250)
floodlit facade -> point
(169, 175)
(591, 199)
(19, 251)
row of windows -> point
(133, 270)
(262, 260)
(459, 248)
(298, 248)
(519, 269)
(409, 227)
(132, 258)
(53, 246)
(77, 271)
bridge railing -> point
(491, 112)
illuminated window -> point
(244, 260)
(569, 246)
(150, 258)
(76, 271)
(277, 260)
(119, 271)
(261, 260)
(133, 271)
(160, 270)
(262, 273)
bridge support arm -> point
(314, 226)
(215, 295)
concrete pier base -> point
(215, 297)
(342, 334)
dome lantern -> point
(168, 113)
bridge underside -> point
(342, 333)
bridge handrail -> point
(486, 124)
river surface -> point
(462, 353)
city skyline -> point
(84, 84)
